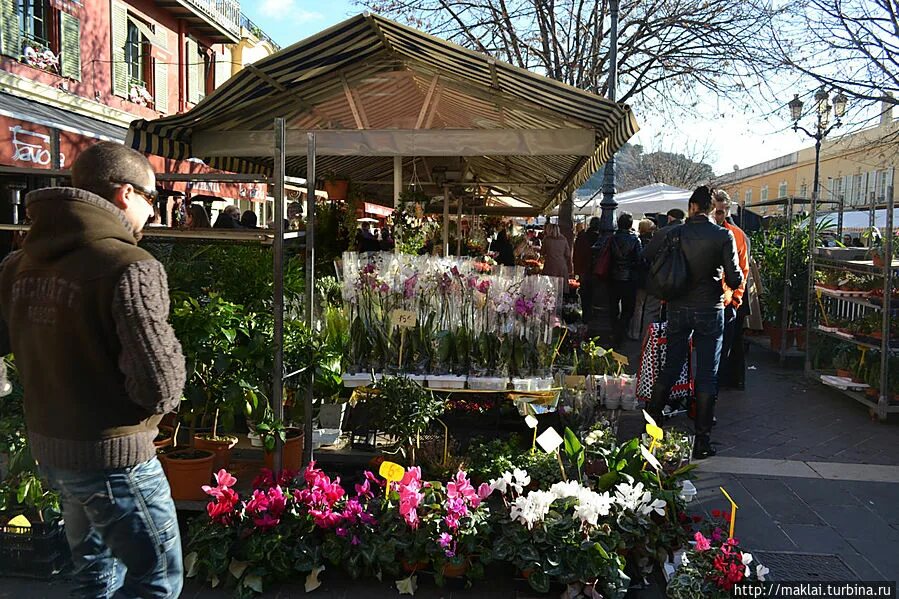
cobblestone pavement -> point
(811, 473)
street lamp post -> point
(822, 128)
(608, 204)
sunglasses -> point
(149, 195)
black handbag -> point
(669, 273)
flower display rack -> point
(39, 551)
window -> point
(782, 189)
(763, 194)
(34, 23)
(135, 54)
(748, 197)
(803, 190)
(856, 192)
(200, 71)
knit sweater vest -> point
(59, 297)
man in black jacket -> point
(626, 252)
(711, 255)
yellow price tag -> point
(620, 359)
(20, 521)
(404, 319)
(654, 431)
(391, 472)
(733, 512)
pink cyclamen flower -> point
(484, 491)
(445, 540)
(702, 543)
(224, 479)
(266, 522)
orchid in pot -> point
(560, 534)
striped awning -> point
(397, 87)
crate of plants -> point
(38, 550)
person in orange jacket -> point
(732, 367)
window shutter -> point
(10, 36)
(119, 37)
(194, 70)
(70, 28)
(161, 85)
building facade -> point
(856, 170)
(73, 72)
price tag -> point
(620, 359)
(650, 458)
(391, 472)
(404, 319)
(549, 440)
(654, 431)
(733, 512)
(530, 421)
(20, 521)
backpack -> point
(669, 273)
(603, 264)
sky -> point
(733, 137)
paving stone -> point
(855, 523)
(780, 502)
(821, 492)
(881, 554)
(862, 567)
(816, 539)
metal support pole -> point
(459, 229)
(397, 179)
(310, 286)
(889, 239)
(608, 204)
(446, 195)
(840, 219)
(15, 198)
(277, 400)
(812, 244)
(788, 275)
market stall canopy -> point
(649, 199)
(858, 220)
(372, 89)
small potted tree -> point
(336, 187)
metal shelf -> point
(881, 408)
(861, 301)
(865, 267)
(893, 347)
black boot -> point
(702, 448)
(705, 414)
(657, 402)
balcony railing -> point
(225, 13)
(253, 28)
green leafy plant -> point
(405, 409)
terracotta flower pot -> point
(800, 339)
(455, 570)
(774, 334)
(221, 447)
(337, 189)
(292, 456)
(872, 392)
(412, 567)
(188, 470)
(844, 373)
(165, 438)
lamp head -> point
(795, 108)
(839, 105)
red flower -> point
(716, 513)
(697, 519)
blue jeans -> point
(707, 327)
(123, 531)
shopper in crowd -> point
(556, 252)
(676, 216)
(84, 310)
(386, 243)
(502, 247)
(711, 254)
(248, 220)
(645, 230)
(732, 369)
(626, 256)
(197, 217)
(228, 218)
(583, 267)
(366, 240)
(646, 307)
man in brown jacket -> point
(85, 312)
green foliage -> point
(488, 459)
(404, 408)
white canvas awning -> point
(649, 199)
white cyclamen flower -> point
(532, 508)
(657, 506)
(591, 506)
(760, 572)
(561, 490)
(522, 479)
